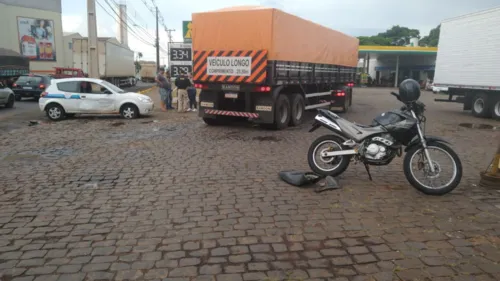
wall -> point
(47, 9)
(68, 48)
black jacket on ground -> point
(182, 82)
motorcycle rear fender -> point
(416, 141)
(316, 125)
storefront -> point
(34, 30)
(389, 65)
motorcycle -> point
(380, 143)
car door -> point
(96, 99)
(4, 94)
(70, 98)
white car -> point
(70, 96)
(7, 96)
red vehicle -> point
(67, 72)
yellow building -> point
(34, 29)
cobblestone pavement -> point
(173, 199)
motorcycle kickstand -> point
(367, 167)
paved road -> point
(27, 109)
(105, 199)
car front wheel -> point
(10, 102)
(129, 111)
(55, 112)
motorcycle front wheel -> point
(327, 166)
(415, 163)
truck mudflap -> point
(240, 67)
(231, 113)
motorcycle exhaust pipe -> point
(339, 153)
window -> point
(33, 80)
(71, 87)
(70, 45)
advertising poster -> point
(36, 39)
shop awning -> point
(12, 63)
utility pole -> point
(93, 62)
(169, 32)
(157, 43)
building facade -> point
(34, 29)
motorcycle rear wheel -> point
(342, 162)
(446, 188)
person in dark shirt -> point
(164, 88)
(192, 95)
(182, 82)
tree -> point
(431, 40)
(396, 35)
(137, 64)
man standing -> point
(182, 82)
(164, 88)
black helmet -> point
(409, 90)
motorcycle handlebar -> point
(395, 94)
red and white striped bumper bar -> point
(232, 113)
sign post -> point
(180, 58)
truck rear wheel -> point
(282, 112)
(298, 109)
(480, 105)
(496, 110)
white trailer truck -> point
(116, 62)
(468, 63)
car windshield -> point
(29, 79)
(112, 87)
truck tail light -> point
(350, 84)
(201, 86)
(263, 89)
(339, 93)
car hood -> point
(133, 95)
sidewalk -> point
(170, 114)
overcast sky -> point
(353, 17)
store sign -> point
(36, 38)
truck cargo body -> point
(468, 63)
(116, 62)
(148, 71)
(269, 66)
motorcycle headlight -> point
(145, 99)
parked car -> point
(30, 86)
(7, 96)
(69, 96)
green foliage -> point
(396, 35)
(431, 40)
(137, 67)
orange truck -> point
(269, 66)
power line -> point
(133, 22)
(121, 21)
(136, 36)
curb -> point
(143, 92)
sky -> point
(353, 17)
